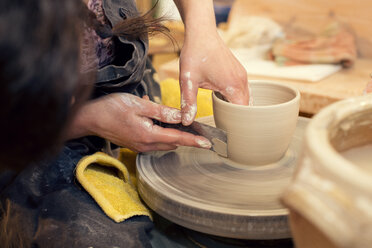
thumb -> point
(189, 91)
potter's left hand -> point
(205, 61)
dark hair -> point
(39, 75)
(134, 27)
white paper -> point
(253, 61)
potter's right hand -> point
(206, 61)
(125, 120)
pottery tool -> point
(217, 136)
(202, 191)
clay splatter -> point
(204, 143)
(230, 91)
(189, 116)
(189, 85)
(130, 100)
(147, 124)
(183, 102)
(171, 115)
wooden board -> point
(313, 15)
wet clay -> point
(360, 156)
(330, 197)
(259, 134)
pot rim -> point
(243, 107)
(324, 154)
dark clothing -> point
(44, 206)
(129, 69)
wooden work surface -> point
(310, 15)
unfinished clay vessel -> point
(259, 134)
(330, 199)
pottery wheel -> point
(198, 189)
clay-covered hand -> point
(126, 120)
(205, 60)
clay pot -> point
(259, 134)
(330, 198)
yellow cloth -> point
(170, 93)
(128, 157)
(108, 181)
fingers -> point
(189, 91)
(158, 147)
(160, 112)
(238, 91)
(236, 96)
(179, 138)
(164, 139)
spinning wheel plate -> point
(200, 190)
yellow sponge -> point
(108, 181)
(171, 96)
(128, 157)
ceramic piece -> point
(200, 190)
(259, 134)
(330, 199)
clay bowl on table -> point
(259, 134)
(330, 199)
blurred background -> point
(323, 48)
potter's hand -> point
(205, 60)
(125, 120)
(208, 63)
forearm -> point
(198, 17)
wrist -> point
(82, 123)
(198, 17)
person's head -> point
(39, 76)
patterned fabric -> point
(334, 45)
(104, 48)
